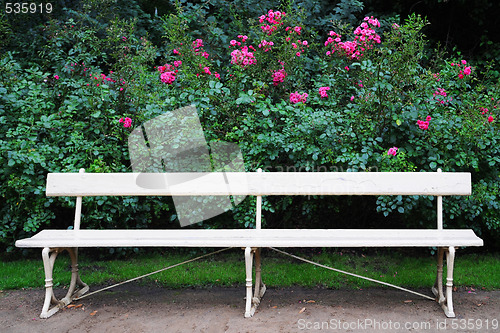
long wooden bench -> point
(257, 184)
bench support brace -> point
(445, 300)
(49, 256)
(253, 298)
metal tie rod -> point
(155, 272)
(352, 274)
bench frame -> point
(253, 244)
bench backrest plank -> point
(259, 183)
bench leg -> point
(445, 300)
(260, 287)
(437, 289)
(253, 298)
(49, 256)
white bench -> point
(255, 184)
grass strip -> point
(228, 269)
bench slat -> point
(254, 238)
(265, 183)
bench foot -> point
(445, 300)
(49, 256)
(253, 298)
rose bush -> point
(385, 97)
(366, 98)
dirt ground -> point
(136, 308)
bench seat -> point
(253, 238)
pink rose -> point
(323, 92)
(297, 98)
(127, 122)
(168, 77)
(423, 125)
(392, 151)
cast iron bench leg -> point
(253, 298)
(446, 301)
(49, 256)
(260, 287)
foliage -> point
(361, 96)
(64, 116)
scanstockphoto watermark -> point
(389, 325)
(362, 324)
(171, 149)
(317, 168)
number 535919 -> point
(27, 7)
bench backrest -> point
(258, 184)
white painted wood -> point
(258, 211)
(440, 212)
(439, 209)
(253, 238)
(78, 213)
(265, 183)
(78, 209)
